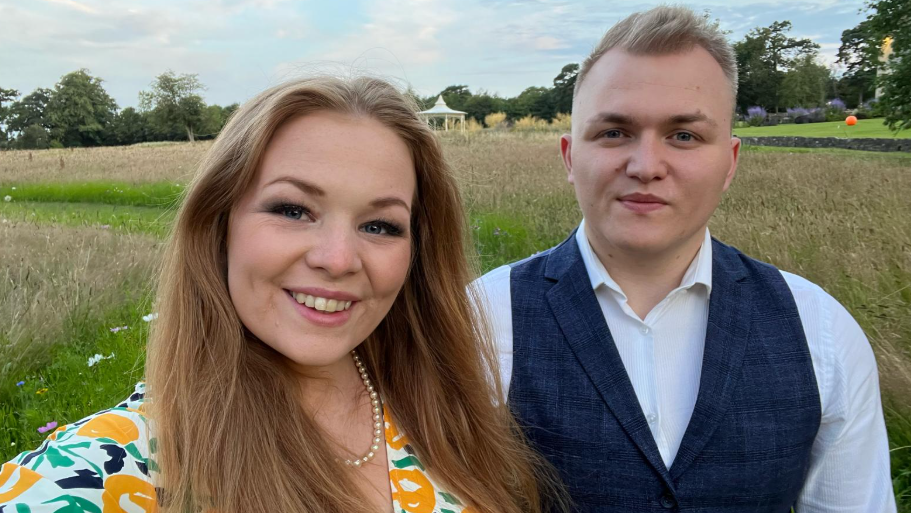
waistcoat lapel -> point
(582, 322)
(726, 339)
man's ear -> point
(566, 146)
(735, 156)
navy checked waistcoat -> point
(747, 446)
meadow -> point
(864, 128)
(83, 229)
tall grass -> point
(840, 219)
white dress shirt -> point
(849, 462)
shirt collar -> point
(699, 271)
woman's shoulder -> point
(87, 464)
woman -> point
(316, 349)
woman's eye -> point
(292, 212)
(375, 229)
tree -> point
(129, 126)
(564, 83)
(859, 53)
(537, 102)
(804, 85)
(455, 96)
(478, 106)
(6, 96)
(174, 100)
(890, 22)
(763, 57)
(29, 111)
(79, 110)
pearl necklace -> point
(377, 415)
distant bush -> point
(530, 124)
(495, 120)
(563, 122)
(835, 110)
(756, 116)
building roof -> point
(441, 108)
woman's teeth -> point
(322, 304)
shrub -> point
(530, 124)
(756, 116)
(563, 122)
(495, 120)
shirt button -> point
(652, 418)
(645, 330)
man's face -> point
(651, 151)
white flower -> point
(7, 198)
(151, 317)
(97, 358)
(14, 188)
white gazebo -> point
(441, 110)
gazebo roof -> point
(441, 108)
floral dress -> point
(102, 464)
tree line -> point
(777, 73)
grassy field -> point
(80, 243)
(863, 128)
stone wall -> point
(831, 142)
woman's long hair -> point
(231, 433)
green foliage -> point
(130, 127)
(892, 19)
(859, 52)
(564, 83)
(175, 100)
(79, 110)
(764, 56)
(804, 84)
(30, 110)
(158, 195)
(33, 138)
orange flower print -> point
(139, 492)
(26, 479)
(412, 490)
(110, 425)
(394, 439)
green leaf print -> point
(56, 459)
(23, 508)
(409, 461)
(74, 505)
(450, 499)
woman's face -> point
(320, 245)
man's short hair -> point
(665, 30)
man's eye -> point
(613, 134)
(684, 136)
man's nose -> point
(335, 251)
(647, 161)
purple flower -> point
(798, 111)
(50, 425)
(19, 384)
(837, 103)
(756, 112)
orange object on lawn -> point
(851, 120)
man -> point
(656, 368)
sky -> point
(240, 47)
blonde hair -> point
(231, 433)
(665, 30)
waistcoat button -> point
(668, 502)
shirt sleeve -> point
(493, 292)
(849, 463)
(91, 465)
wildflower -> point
(19, 384)
(151, 317)
(119, 328)
(49, 426)
(14, 188)
(41, 391)
(496, 231)
(97, 358)
(7, 198)
(12, 444)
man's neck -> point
(647, 279)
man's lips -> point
(642, 203)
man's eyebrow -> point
(303, 185)
(697, 117)
(611, 117)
